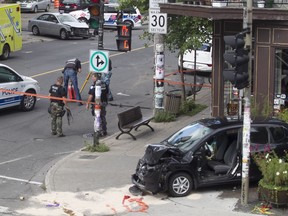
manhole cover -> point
(90, 157)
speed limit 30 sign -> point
(157, 22)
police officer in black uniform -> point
(103, 104)
(57, 110)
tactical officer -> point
(57, 106)
(103, 104)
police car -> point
(131, 16)
(10, 80)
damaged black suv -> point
(205, 153)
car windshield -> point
(205, 47)
(189, 135)
(66, 18)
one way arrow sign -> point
(99, 61)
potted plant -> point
(273, 187)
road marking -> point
(21, 180)
(122, 94)
(60, 69)
(16, 159)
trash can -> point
(172, 102)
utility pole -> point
(158, 26)
(247, 24)
(101, 26)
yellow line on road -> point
(86, 62)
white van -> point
(203, 60)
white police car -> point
(131, 16)
(10, 80)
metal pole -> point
(247, 24)
(101, 26)
(97, 110)
(159, 73)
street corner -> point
(112, 201)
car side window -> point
(259, 135)
(7, 76)
(53, 19)
(278, 134)
(44, 17)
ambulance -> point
(10, 29)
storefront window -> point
(281, 79)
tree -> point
(184, 32)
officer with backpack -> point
(70, 71)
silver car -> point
(34, 5)
(56, 24)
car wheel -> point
(47, 8)
(63, 34)
(28, 102)
(180, 184)
(129, 23)
(5, 52)
(35, 9)
(35, 30)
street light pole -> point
(247, 24)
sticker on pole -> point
(99, 61)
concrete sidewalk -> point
(86, 183)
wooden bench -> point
(130, 119)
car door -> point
(53, 25)
(41, 4)
(9, 80)
(43, 24)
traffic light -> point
(238, 58)
(124, 34)
(95, 12)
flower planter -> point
(278, 198)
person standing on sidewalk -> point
(70, 71)
(103, 102)
(57, 110)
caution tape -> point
(43, 96)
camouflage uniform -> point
(57, 110)
(56, 115)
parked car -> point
(62, 25)
(34, 5)
(11, 80)
(66, 6)
(205, 153)
(203, 60)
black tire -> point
(63, 34)
(35, 9)
(5, 52)
(28, 102)
(180, 185)
(47, 8)
(35, 30)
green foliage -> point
(274, 170)
(265, 109)
(97, 148)
(190, 108)
(142, 5)
(163, 116)
(283, 115)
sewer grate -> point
(90, 157)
